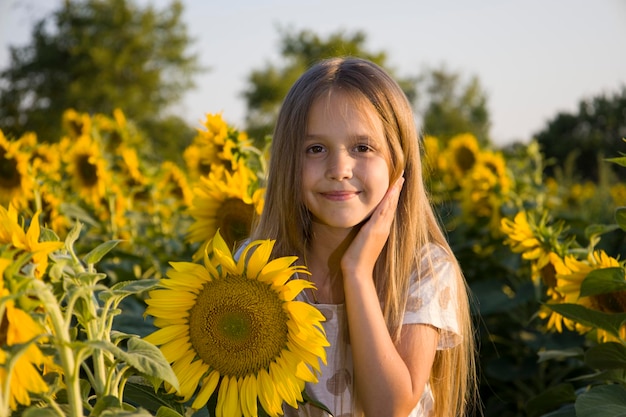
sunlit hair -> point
(286, 218)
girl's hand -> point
(364, 250)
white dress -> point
(430, 302)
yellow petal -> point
(208, 388)
(259, 258)
(167, 334)
(176, 348)
(182, 268)
(223, 254)
(248, 396)
(294, 287)
(268, 396)
(243, 258)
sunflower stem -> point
(100, 372)
(112, 214)
(63, 342)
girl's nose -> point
(339, 166)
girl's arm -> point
(390, 378)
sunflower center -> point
(235, 325)
(88, 171)
(76, 127)
(465, 158)
(614, 302)
(9, 176)
(234, 219)
(238, 325)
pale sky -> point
(534, 58)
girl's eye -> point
(363, 148)
(315, 149)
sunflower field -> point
(94, 231)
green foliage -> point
(95, 361)
(268, 86)
(596, 129)
(448, 105)
(95, 56)
(452, 106)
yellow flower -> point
(173, 183)
(521, 237)
(130, 167)
(226, 202)
(234, 326)
(618, 194)
(44, 158)
(18, 327)
(87, 168)
(217, 144)
(76, 124)
(16, 184)
(461, 155)
(196, 164)
(12, 233)
(52, 217)
(496, 164)
(569, 281)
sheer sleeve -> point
(432, 298)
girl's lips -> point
(339, 195)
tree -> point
(450, 107)
(101, 54)
(447, 106)
(595, 132)
(269, 85)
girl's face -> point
(345, 173)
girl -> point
(345, 194)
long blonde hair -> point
(286, 219)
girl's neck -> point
(323, 258)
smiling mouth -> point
(340, 195)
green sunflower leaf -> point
(550, 399)
(620, 217)
(73, 235)
(126, 288)
(141, 394)
(605, 321)
(599, 229)
(39, 412)
(124, 413)
(602, 401)
(96, 254)
(603, 281)
(167, 412)
(143, 356)
(620, 160)
(610, 355)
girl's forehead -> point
(339, 103)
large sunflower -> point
(226, 202)
(235, 324)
